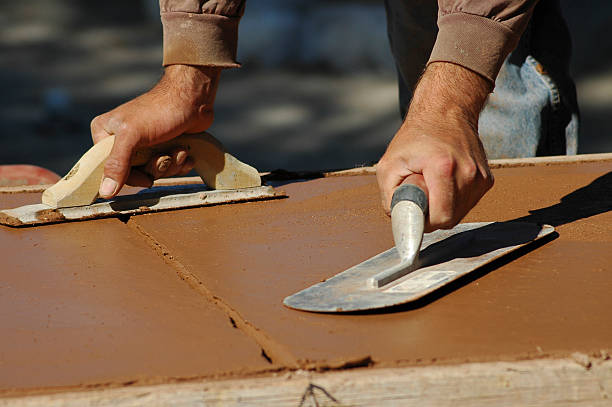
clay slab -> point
(90, 303)
(553, 300)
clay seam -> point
(275, 353)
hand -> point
(439, 139)
(182, 102)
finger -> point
(418, 180)
(389, 177)
(441, 183)
(139, 178)
(186, 167)
(97, 129)
(179, 156)
(158, 165)
(117, 166)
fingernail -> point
(180, 157)
(164, 163)
(108, 187)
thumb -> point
(116, 167)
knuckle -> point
(206, 116)
(443, 218)
(95, 126)
(95, 123)
(381, 167)
(446, 165)
(469, 170)
(446, 222)
(113, 166)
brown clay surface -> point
(9, 201)
(90, 303)
(93, 303)
(554, 300)
(13, 200)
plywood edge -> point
(543, 382)
(370, 170)
(495, 163)
(550, 160)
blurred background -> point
(317, 89)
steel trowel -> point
(419, 264)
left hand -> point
(182, 102)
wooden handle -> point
(217, 168)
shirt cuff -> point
(474, 42)
(200, 39)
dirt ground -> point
(64, 61)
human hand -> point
(181, 102)
(439, 140)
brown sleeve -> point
(201, 32)
(479, 34)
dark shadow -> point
(480, 241)
(585, 202)
(590, 200)
(462, 281)
(151, 196)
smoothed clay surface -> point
(99, 302)
(553, 300)
(90, 303)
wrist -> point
(450, 92)
(195, 84)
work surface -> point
(197, 293)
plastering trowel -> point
(75, 196)
(419, 263)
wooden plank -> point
(576, 381)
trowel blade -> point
(150, 200)
(445, 256)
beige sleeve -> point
(479, 34)
(201, 32)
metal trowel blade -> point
(150, 200)
(445, 256)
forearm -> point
(448, 94)
(203, 32)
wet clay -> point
(551, 301)
(12, 199)
(90, 303)
(101, 302)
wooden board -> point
(577, 381)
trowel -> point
(75, 196)
(419, 264)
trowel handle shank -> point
(408, 212)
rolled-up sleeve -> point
(201, 32)
(479, 34)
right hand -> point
(181, 102)
(439, 140)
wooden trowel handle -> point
(217, 168)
